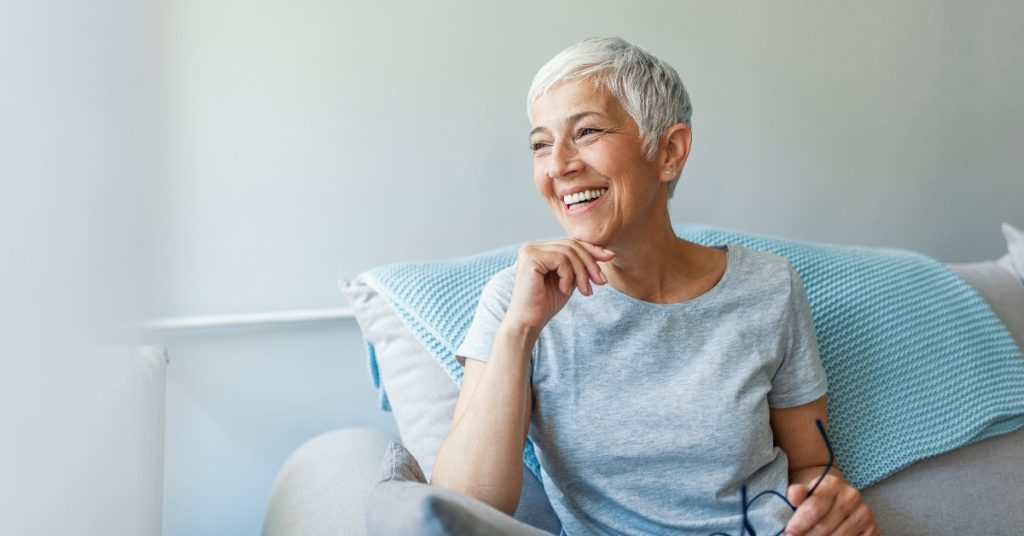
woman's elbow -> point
(503, 498)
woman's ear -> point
(677, 139)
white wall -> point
(310, 140)
(80, 421)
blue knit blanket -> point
(917, 362)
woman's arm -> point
(836, 507)
(797, 434)
(482, 457)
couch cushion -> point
(972, 490)
(403, 503)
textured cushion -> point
(403, 503)
(422, 396)
(972, 490)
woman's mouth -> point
(581, 202)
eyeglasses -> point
(747, 527)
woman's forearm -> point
(808, 476)
(482, 455)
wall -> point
(80, 412)
(311, 140)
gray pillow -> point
(402, 502)
(422, 395)
(1003, 291)
(1014, 258)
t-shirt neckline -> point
(730, 260)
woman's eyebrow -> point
(572, 119)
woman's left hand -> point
(836, 508)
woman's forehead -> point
(570, 101)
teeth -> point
(584, 196)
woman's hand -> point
(546, 273)
(836, 508)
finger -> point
(557, 263)
(860, 521)
(576, 256)
(582, 276)
(811, 511)
(815, 507)
(598, 251)
(797, 493)
(543, 263)
(827, 525)
(572, 256)
(588, 260)
(847, 499)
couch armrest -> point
(321, 489)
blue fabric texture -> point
(917, 362)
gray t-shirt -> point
(649, 418)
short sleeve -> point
(490, 311)
(800, 378)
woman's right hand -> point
(546, 274)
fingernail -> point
(608, 251)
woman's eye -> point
(536, 146)
(586, 131)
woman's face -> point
(584, 141)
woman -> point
(678, 374)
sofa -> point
(327, 485)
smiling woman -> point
(584, 140)
(685, 374)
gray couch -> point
(323, 486)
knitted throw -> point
(917, 362)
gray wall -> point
(312, 140)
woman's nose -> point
(564, 160)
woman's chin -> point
(584, 235)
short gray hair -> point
(649, 89)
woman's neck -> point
(653, 264)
